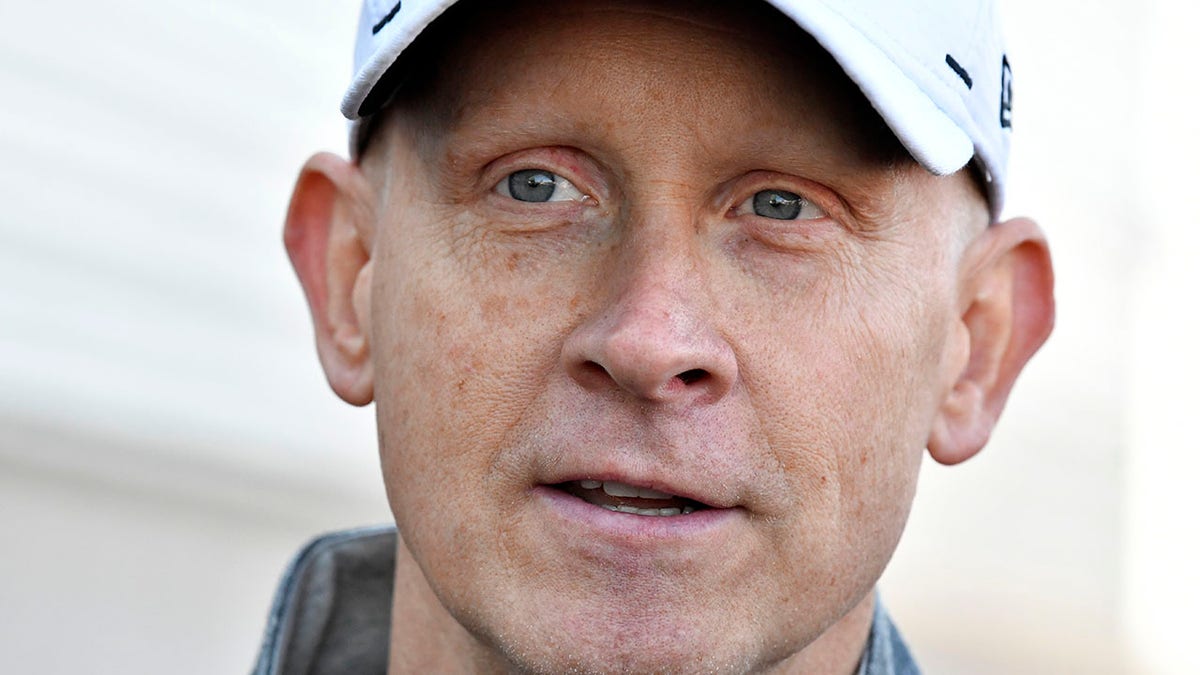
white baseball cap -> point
(935, 70)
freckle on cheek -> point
(494, 308)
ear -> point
(1006, 300)
(327, 236)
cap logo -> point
(959, 70)
(387, 18)
(1005, 93)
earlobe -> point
(1007, 312)
(327, 236)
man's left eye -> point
(780, 205)
(539, 185)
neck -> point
(425, 638)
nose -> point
(654, 339)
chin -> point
(640, 653)
(710, 636)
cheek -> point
(847, 393)
(843, 397)
(462, 349)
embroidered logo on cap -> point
(960, 71)
(387, 18)
(1005, 93)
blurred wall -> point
(166, 436)
(167, 439)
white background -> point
(167, 440)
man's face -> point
(653, 248)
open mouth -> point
(624, 498)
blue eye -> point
(780, 205)
(531, 185)
(777, 204)
(538, 186)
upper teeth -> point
(617, 489)
(651, 512)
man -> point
(660, 304)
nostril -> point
(692, 376)
(592, 371)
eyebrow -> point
(482, 130)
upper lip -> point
(696, 457)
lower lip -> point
(630, 527)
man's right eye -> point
(780, 205)
(539, 185)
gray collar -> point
(332, 613)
